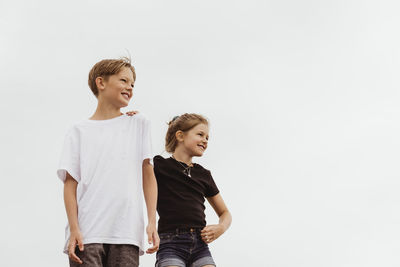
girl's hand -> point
(131, 113)
(75, 239)
(211, 232)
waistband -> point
(184, 231)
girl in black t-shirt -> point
(182, 189)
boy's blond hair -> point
(106, 68)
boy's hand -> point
(75, 239)
(131, 113)
(211, 232)
(152, 237)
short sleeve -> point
(69, 160)
(212, 188)
(147, 152)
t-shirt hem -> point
(118, 241)
(62, 174)
(213, 194)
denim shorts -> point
(183, 248)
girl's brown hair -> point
(106, 68)
(182, 123)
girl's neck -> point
(182, 157)
(105, 111)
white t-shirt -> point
(105, 158)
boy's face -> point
(117, 89)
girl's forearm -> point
(225, 220)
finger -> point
(75, 258)
(152, 249)
(205, 234)
(71, 247)
(157, 241)
(80, 244)
(205, 238)
(205, 229)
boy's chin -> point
(123, 105)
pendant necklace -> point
(186, 170)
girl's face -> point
(195, 140)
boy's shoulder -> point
(140, 117)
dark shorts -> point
(183, 248)
(107, 255)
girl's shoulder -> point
(202, 169)
(158, 159)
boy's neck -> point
(105, 112)
(181, 156)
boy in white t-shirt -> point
(106, 169)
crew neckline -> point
(182, 162)
(106, 120)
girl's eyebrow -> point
(203, 132)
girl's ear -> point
(179, 136)
(100, 83)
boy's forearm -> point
(70, 202)
(150, 191)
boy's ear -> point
(179, 136)
(100, 83)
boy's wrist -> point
(152, 221)
(74, 228)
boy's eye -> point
(123, 80)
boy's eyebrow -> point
(126, 78)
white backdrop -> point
(303, 99)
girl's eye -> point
(123, 80)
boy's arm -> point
(150, 196)
(71, 207)
(212, 232)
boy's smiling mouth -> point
(126, 95)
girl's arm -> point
(212, 232)
(150, 196)
(71, 207)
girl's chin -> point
(198, 154)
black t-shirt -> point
(180, 202)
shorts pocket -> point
(166, 237)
